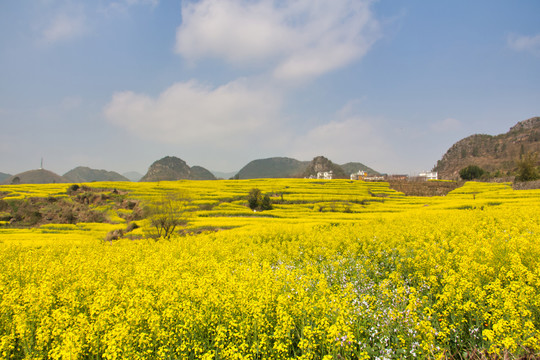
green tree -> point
(471, 172)
(258, 201)
(167, 214)
(527, 170)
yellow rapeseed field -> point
(336, 270)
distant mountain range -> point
(171, 168)
(498, 153)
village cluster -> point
(362, 175)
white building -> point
(432, 175)
(325, 175)
(360, 175)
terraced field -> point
(336, 270)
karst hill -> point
(171, 168)
(496, 154)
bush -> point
(471, 172)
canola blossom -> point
(336, 270)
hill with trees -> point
(498, 155)
(275, 167)
(86, 174)
(171, 168)
(40, 176)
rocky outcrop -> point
(322, 164)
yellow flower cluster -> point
(337, 270)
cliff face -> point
(492, 153)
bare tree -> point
(166, 214)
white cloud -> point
(297, 38)
(345, 140)
(446, 125)
(525, 43)
(191, 113)
(65, 27)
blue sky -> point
(393, 84)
